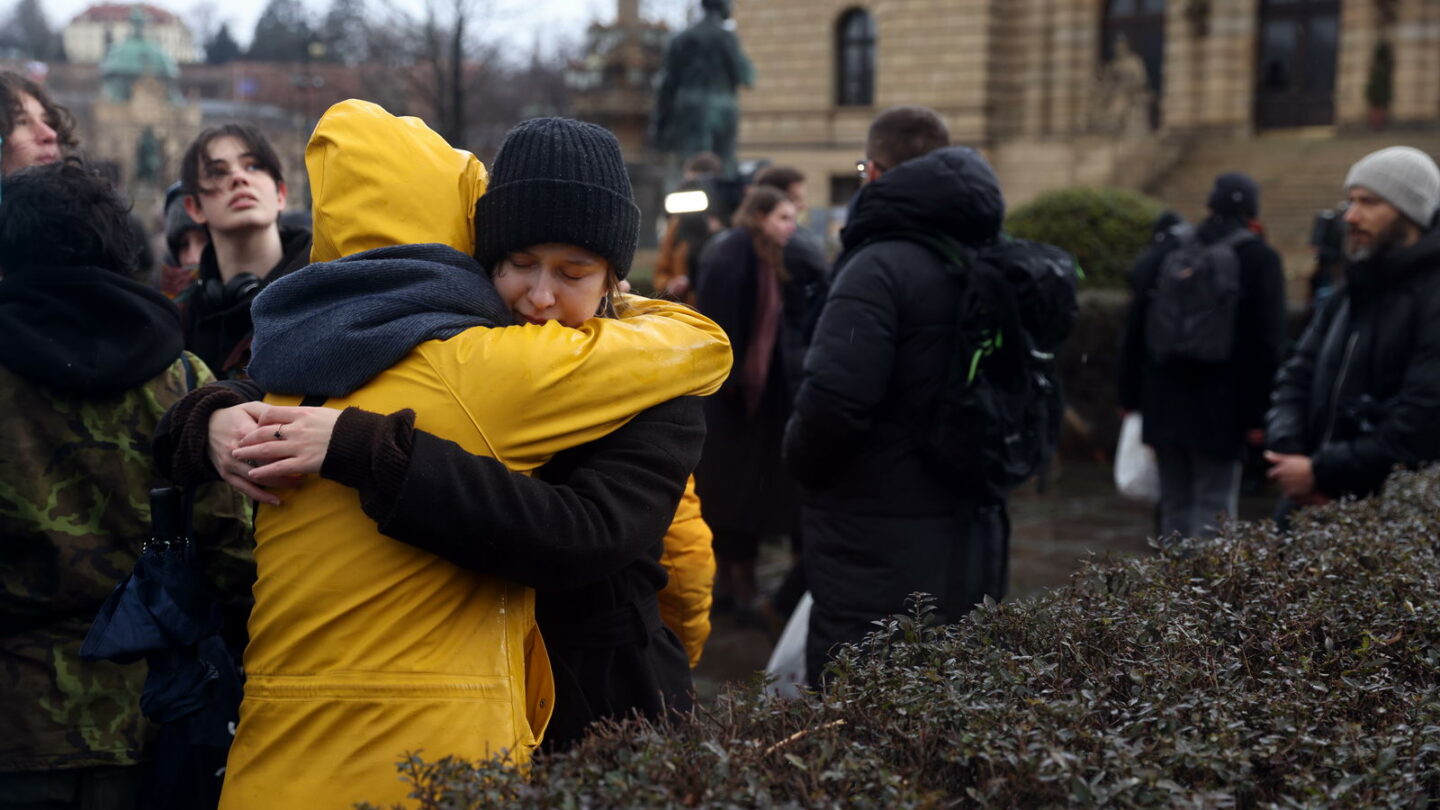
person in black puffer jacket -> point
(1199, 416)
(1362, 392)
(880, 520)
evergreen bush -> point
(1380, 85)
(1253, 671)
(1106, 228)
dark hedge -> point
(1105, 228)
(1254, 671)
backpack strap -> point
(1238, 237)
(960, 259)
(191, 379)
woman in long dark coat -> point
(767, 309)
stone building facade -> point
(1041, 85)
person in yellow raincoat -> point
(363, 648)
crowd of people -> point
(1357, 395)
(455, 489)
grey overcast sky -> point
(548, 22)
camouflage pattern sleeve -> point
(75, 475)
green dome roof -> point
(136, 57)
(133, 59)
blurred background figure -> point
(185, 241)
(1327, 237)
(805, 249)
(761, 303)
(1203, 392)
(689, 229)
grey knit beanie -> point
(558, 181)
(1403, 176)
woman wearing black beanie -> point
(556, 231)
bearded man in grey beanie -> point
(1362, 392)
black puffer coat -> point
(1362, 392)
(1208, 406)
(880, 522)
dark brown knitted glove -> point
(370, 452)
(185, 447)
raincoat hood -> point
(391, 251)
(380, 180)
(951, 191)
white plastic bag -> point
(787, 661)
(1137, 477)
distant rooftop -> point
(120, 12)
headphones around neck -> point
(219, 295)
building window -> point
(843, 188)
(855, 59)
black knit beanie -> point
(558, 181)
(1235, 195)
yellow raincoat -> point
(363, 648)
(689, 558)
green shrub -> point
(1253, 671)
(1106, 228)
(1380, 84)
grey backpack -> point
(1193, 306)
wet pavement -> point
(1077, 515)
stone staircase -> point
(1299, 171)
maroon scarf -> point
(761, 349)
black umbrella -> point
(163, 612)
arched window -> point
(855, 59)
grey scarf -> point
(329, 328)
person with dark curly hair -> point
(36, 129)
(89, 361)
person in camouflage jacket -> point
(89, 361)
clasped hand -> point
(255, 445)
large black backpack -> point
(996, 421)
(1193, 306)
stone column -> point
(1416, 39)
(1226, 76)
(1182, 101)
(627, 13)
(1359, 31)
(1075, 52)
